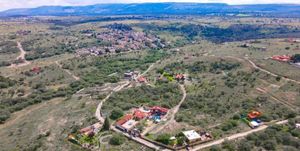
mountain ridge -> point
(153, 8)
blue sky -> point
(8, 4)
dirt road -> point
(234, 136)
(149, 68)
(172, 113)
(20, 57)
(268, 72)
(138, 139)
(68, 71)
(116, 89)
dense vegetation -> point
(6, 82)
(122, 27)
(10, 105)
(8, 47)
(165, 95)
(98, 69)
(296, 58)
(39, 48)
(235, 32)
(277, 137)
(221, 93)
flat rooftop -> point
(129, 124)
(191, 135)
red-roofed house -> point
(36, 69)
(254, 114)
(124, 119)
(179, 77)
(283, 58)
(158, 109)
(139, 115)
(141, 79)
(88, 131)
(126, 123)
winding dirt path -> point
(234, 136)
(286, 103)
(20, 57)
(101, 118)
(68, 71)
(116, 89)
(172, 114)
(269, 72)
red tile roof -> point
(86, 129)
(139, 114)
(142, 79)
(254, 114)
(284, 58)
(36, 69)
(179, 76)
(124, 119)
(161, 109)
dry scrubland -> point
(39, 110)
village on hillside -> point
(120, 38)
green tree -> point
(296, 58)
(228, 145)
(215, 148)
(4, 115)
(163, 138)
(278, 78)
(117, 139)
(116, 113)
(269, 145)
(106, 125)
(245, 146)
(180, 141)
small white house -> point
(192, 136)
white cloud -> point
(8, 4)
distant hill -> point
(156, 9)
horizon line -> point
(244, 4)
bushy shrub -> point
(117, 139)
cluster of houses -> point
(91, 130)
(131, 75)
(134, 76)
(179, 77)
(116, 41)
(187, 139)
(129, 122)
(253, 120)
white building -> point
(192, 136)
